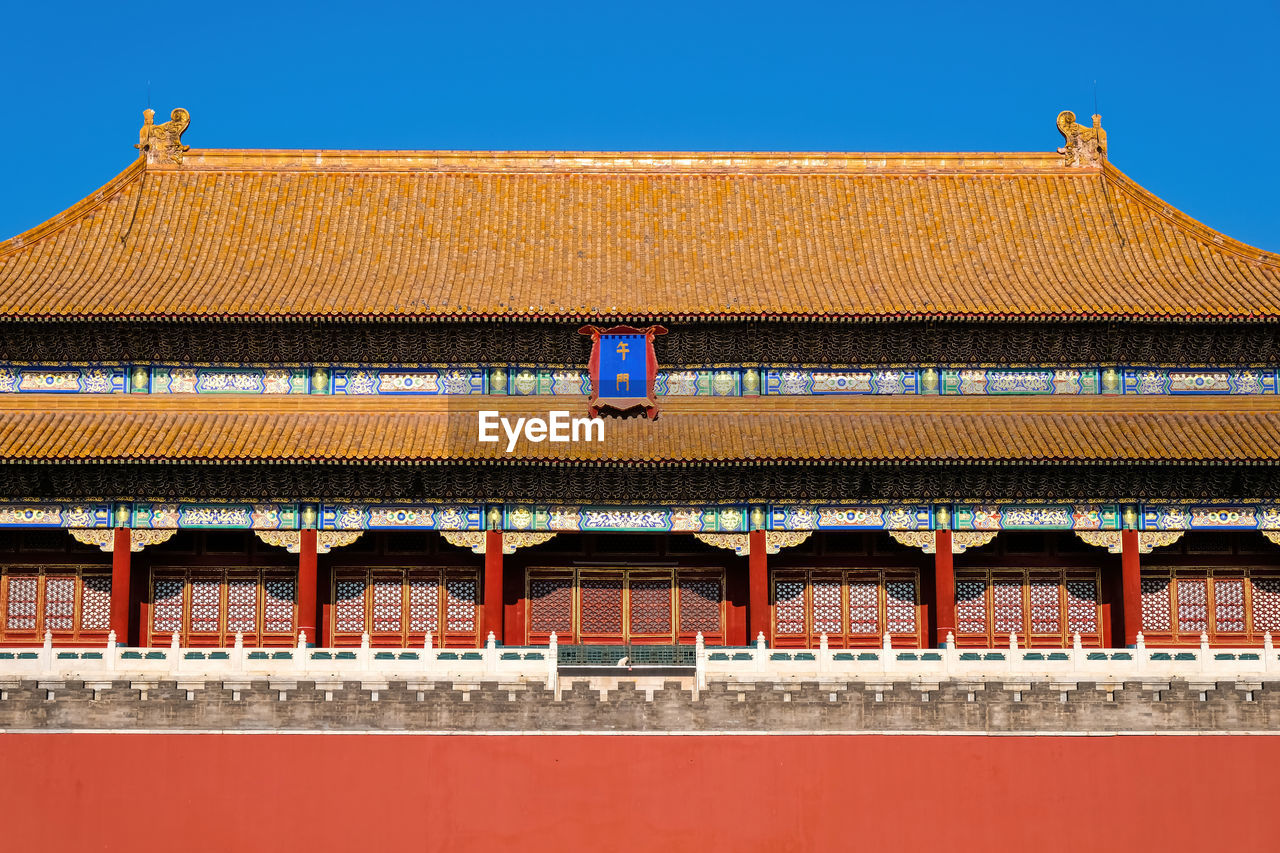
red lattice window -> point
(699, 606)
(789, 606)
(864, 609)
(1193, 605)
(1046, 609)
(206, 605)
(900, 606)
(852, 607)
(388, 595)
(1042, 607)
(971, 606)
(828, 617)
(651, 606)
(209, 607)
(20, 608)
(62, 600)
(1232, 605)
(1155, 604)
(1266, 604)
(1006, 596)
(1228, 605)
(166, 607)
(95, 604)
(398, 607)
(277, 606)
(601, 607)
(551, 606)
(1082, 607)
(242, 606)
(463, 599)
(59, 603)
(424, 604)
(349, 605)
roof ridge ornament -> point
(162, 143)
(1086, 146)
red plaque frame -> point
(649, 403)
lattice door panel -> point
(853, 607)
(167, 604)
(701, 612)
(462, 605)
(279, 599)
(242, 606)
(1046, 608)
(1193, 605)
(649, 608)
(550, 603)
(971, 606)
(789, 607)
(72, 606)
(388, 604)
(95, 603)
(900, 607)
(1228, 605)
(1231, 605)
(1082, 607)
(1266, 605)
(1041, 607)
(59, 602)
(864, 609)
(640, 605)
(600, 608)
(22, 598)
(349, 604)
(209, 607)
(424, 603)
(828, 605)
(204, 616)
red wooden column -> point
(1130, 586)
(757, 588)
(121, 543)
(493, 616)
(944, 586)
(307, 584)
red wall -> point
(671, 793)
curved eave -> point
(86, 205)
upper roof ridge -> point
(162, 147)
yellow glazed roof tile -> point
(57, 428)
(631, 235)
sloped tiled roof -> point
(628, 236)
(723, 431)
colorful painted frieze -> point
(667, 519)
(888, 517)
(801, 381)
(1036, 517)
(1004, 382)
(1202, 381)
(391, 381)
(94, 379)
(214, 516)
(699, 383)
(354, 516)
(226, 380)
(55, 515)
(1210, 517)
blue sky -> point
(1188, 91)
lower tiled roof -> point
(724, 431)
